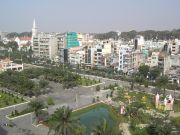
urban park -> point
(94, 106)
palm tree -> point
(61, 122)
(103, 129)
(36, 106)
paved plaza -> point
(74, 98)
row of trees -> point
(152, 34)
(148, 35)
(23, 83)
(67, 78)
(153, 76)
(107, 35)
(15, 34)
(11, 50)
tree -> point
(143, 70)
(103, 129)
(160, 126)
(36, 106)
(146, 83)
(98, 88)
(61, 122)
(162, 83)
(43, 83)
(133, 110)
(154, 72)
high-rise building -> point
(139, 42)
(72, 39)
(125, 58)
(94, 56)
(44, 45)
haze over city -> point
(89, 15)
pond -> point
(90, 118)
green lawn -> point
(7, 99)
(88, 82)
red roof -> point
(25, 38)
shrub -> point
(146, 83)
(16, 112)
(15, 101)
(12, 113)
(6, 102)
(98, 88)
(43, 83)
(50, 101)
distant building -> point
(153, 60)
(164, 62)
(137, 59)
(175, 60)
(76, 56)
(63, 55)
(44, 45)
(7, 64)
(175, 47)
(23, 42)
(139, 42)
(72, 39)
(3, 35)
(125, 58)
(93, 56)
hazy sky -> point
(89, 15)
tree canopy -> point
(15, 34)
(107, 35)
(148, 35)
(143, 70)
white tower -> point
(34, 29)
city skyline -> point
(89, 16)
